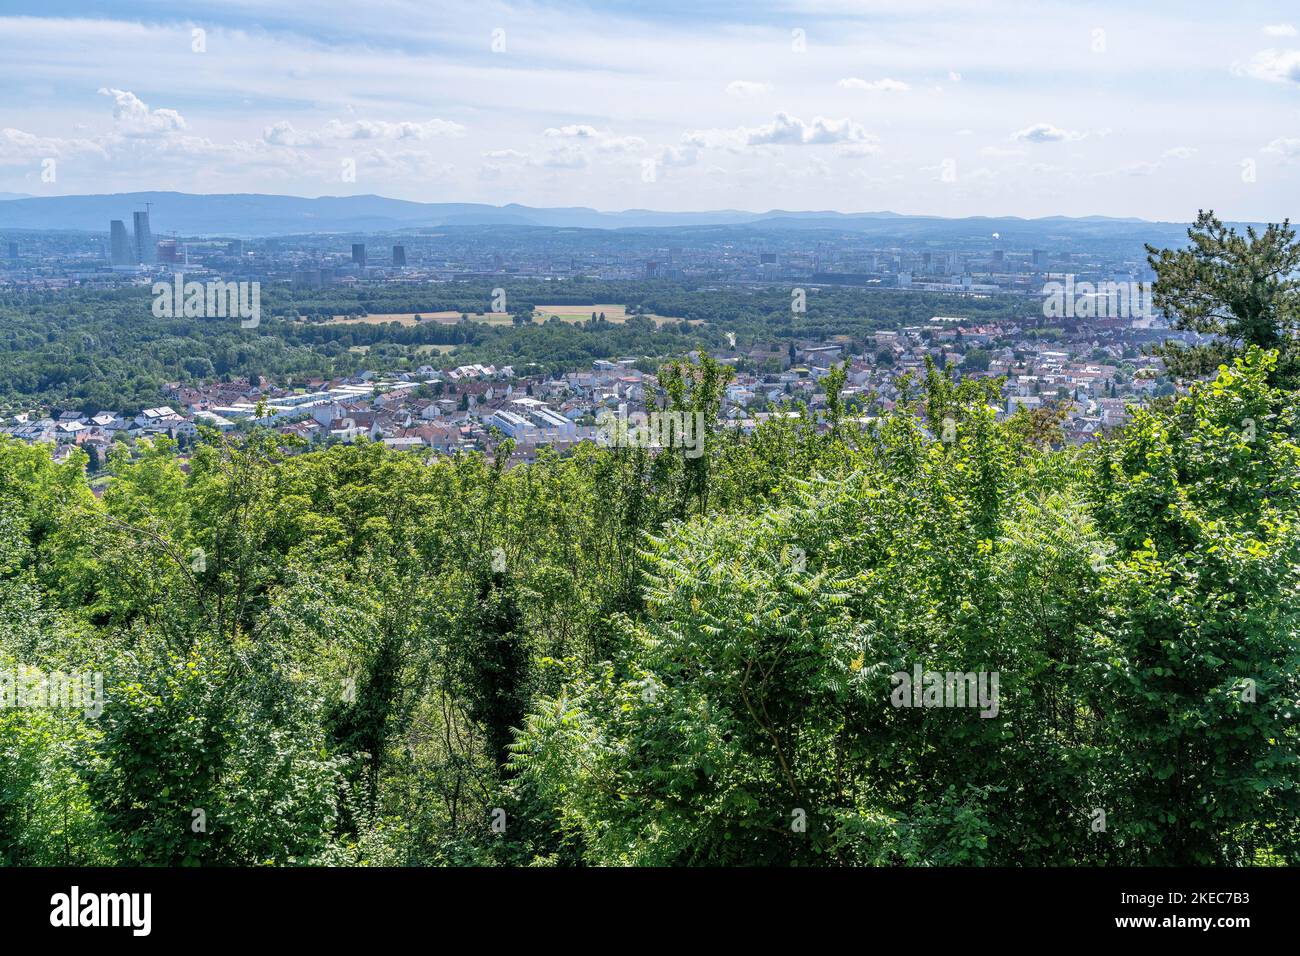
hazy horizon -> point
(18, 197)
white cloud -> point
(1286, 147)
(284, 133)
(883, 85)
(620, 144)
(1045, 133)
(1280, 30)
(403, 163)
(670, 156)
(380, 129)
(1180, 152)
(787, 130)
(714, 138)
(567, 156)
(1001, 151)
(135, 119)
(747, 88)
(17, 146)
(1275, 66)
(572, 132)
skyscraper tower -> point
(120, 252)
(359, 253)
(145, 251)
(399, 256)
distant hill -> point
(250, 214)
(247, 214)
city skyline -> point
(994, 110)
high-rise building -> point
(313, 278)
(235, 247)
(399, 256)
(145, 251)
(120, 252)
(13, 250)
(359, 253)
(170, 252)
(307, 279)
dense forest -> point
(354, 656)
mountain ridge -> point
(266, 214)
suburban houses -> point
(1092, 382)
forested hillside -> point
(358, 656)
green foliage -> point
(755, 690)
(1241, 288)
(623, 656)
(46, 812)
(1197, 656)
(213, 758)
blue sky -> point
(928, 106)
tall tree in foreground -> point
(1245, 289)
(1196, 658)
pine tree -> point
(1241, 288)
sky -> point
(1152, 109)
